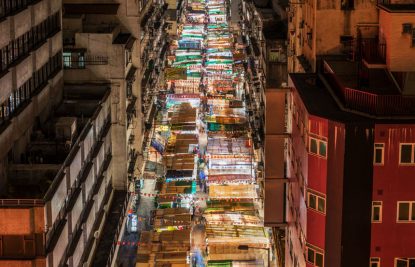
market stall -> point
(234, 191)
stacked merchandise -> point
(204, 145)
(242, 206)
(183, 117)
(171, 219)
(165, 248)
(231, 213)
(176, 194)
(181, 143)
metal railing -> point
(21, 202)
(375, 104)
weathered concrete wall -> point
(399, 50)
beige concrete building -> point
(30, 72)
(326, 28)
(121, 44)
(55, 158)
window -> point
(406, 211)
(318, 147)
(374, 262)
(316, 202)
(376, 211)
(407, 153)
(73, 60)
(379, 152)
(407, 28)
(315, 256)
(405, 262)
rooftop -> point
(325, 97)
(318, 100)
(352, 74)
(400, 8)
(31, 174)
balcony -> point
(21, 47)
(20, 98)
(371, 91)
(78, 60)
(11, 7)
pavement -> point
(198, 244)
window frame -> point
(411, 208)
(319, 141)
(374, 260)
(317, 196)
(315, 250)
(380, 205)
(395, 263)
(412, 154)
(382, 156)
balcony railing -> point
(10, 7)
(374, 104)
(18, 98)
(76, 61)
(32, 39)
(22, 203)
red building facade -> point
(393, 197)
(351, 190)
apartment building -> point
(154, 44)
(263, 36)
(123, 44)
(56, 194)
(30, 70)
(30, 88)
(97, 50)
(348, 151)
(327, 27)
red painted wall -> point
(391, 183)
(317, 180)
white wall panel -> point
(90, 222)
(75, 167)
(89, 182)
(60, 246)
(78, 252)
(76, 211)
(58, 199)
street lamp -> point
(246, 247)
